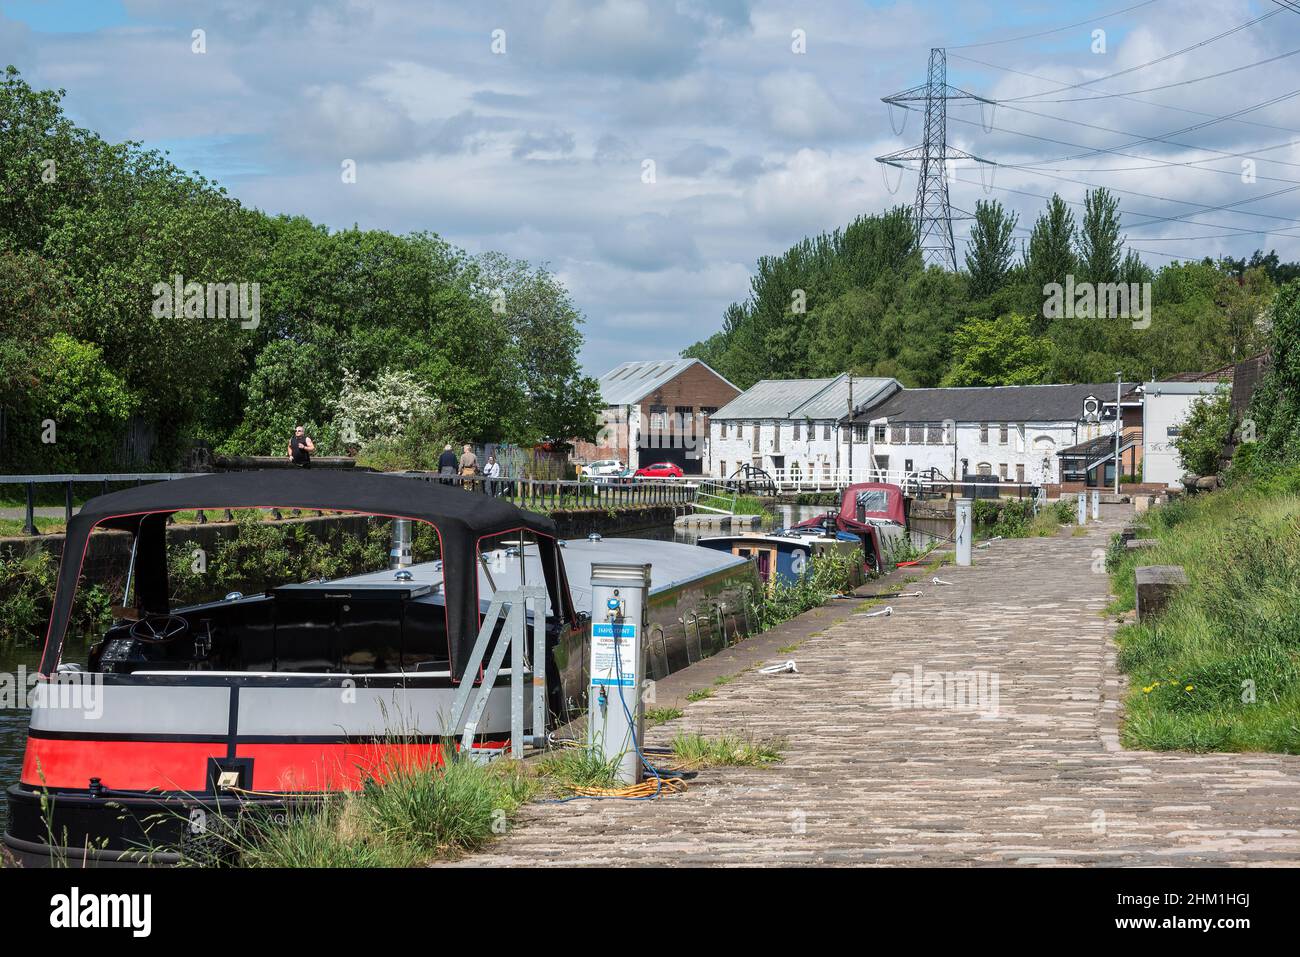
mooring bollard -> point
(1096, 505)
(962, 530)
(1083, 508)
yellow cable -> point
(647, 788)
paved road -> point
(1038, 779)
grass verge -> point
(1219, 670)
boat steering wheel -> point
(156, 629)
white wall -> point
(737, 448)
(1164, 410)
(1032, 445)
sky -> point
(650, 151)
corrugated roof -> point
(1004, 403)
(805, 398)
(631, 382)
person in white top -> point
(492, 470)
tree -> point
(1051, 254)
(1101, 248)
(1274, 416)
(1202, 434)
(1000, 351)
(556, 402)
(990, 249)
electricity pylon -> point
(931, 211)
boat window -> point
(873, 500)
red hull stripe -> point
(122, 765)
(182, 766)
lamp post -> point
(1119, 423)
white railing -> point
(829, 480)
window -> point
(722, 469)
(881, 433)
(756, 437)
(984, 433)
(1020, 474)
(722, 430)
(907, 465)
(1002, 435)
(984, 468)
(683, 416)
(826, 431)
(657, 415)
(1002, 471)
(826, 470)
(898, 434)
(860, 433)
(795, 429)
(934, 433)
(776, 435)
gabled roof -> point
(1003, 403)
(805, 398)
(631, 382)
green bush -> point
(825, 577)
(27, 583)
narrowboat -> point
(871, 523)
(876, 514)
(305, 689)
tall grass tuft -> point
(694, 751)
(406, 816)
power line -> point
(1186, 129)
(1159, 139)
(1124, 96)
(1163, 86)
(1160, 59)
(1191, 164)
(1045, 33)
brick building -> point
(657, 411)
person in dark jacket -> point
(447, 463)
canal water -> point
(20, 661)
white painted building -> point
(1164, 410)
(789, 426)
(1010, 432)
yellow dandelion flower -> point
(1188, 688)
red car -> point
(659, 470)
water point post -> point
(962, 530)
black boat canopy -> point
(461, 519)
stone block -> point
(1156, 586)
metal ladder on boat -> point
(472, 698)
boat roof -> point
(461, 518)
(673, 565)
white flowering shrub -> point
(383, 408)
